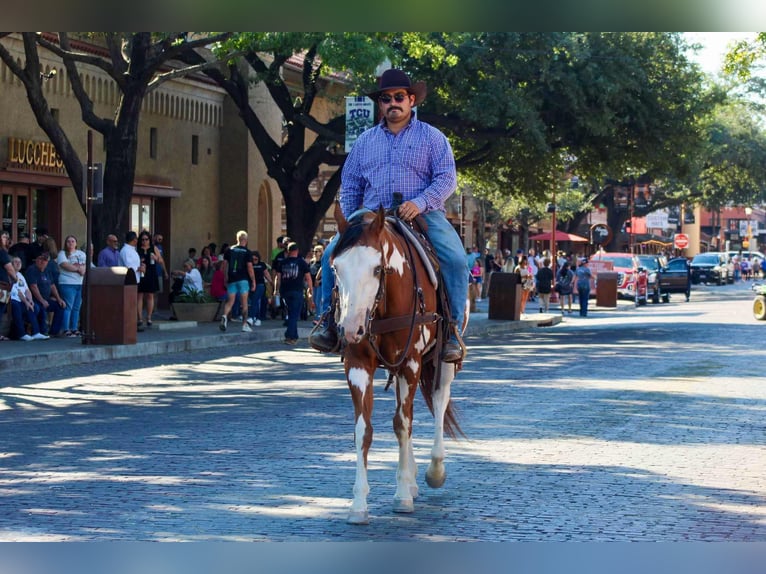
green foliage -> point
(195, 296)
(733, 170)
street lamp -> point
(749, 212)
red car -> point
(623, 265)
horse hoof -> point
(358, 517)
(436, 480)
(404, 505)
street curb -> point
(175, 340)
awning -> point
(560, 236)
(155, 190)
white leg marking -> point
(403, 496)
(359, 378)
(435, 475)
(358, 513)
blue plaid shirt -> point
(418, 162)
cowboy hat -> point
(393, 79)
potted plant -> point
(194, 305)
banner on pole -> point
(360, 114)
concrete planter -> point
(200, 312)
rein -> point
(380, 325)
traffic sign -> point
(681, 241)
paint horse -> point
(387, 316)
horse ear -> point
(380, 220)
(339, 218)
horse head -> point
(358, 261)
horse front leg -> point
(360, 384)
(406, 472)
(436, 474)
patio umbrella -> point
(560, 236)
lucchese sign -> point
(34, 155)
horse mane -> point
(351, 235)
(356, 226)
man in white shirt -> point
(129, 256)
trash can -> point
(606, 289)
(113, 301)
(505, 296)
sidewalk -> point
(176, 336)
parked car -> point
(675, 277)
(652, 264)
(712, 267)
(622, 264)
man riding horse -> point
(402, 154)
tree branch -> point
(86, 104)
(67, 54)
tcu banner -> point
(360, 113)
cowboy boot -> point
(324, 337)
(452, 351)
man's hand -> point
(408, 211)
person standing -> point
(545, 284)
(162, 272)
(526, 281)
(21, 250)
(41, 235)
(404, 155)
(240, 278)
(150, 282)
(109, 256)
(129, 256)
(293, 274)
(261, 272)
(564, 285)
(583, 286)
(71, 262)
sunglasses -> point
(386, 98)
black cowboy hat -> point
(393, 79)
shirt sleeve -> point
(444, 177)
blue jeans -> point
(254, 301)
(42, 317)
(20, 314)
(294, 302)
(72, 296)
(583, 294)
(449, 251)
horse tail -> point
(427, 388)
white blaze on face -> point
(357, 287)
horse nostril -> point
(360, 331)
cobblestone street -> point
(650, 428)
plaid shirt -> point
(417, 162)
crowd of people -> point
(41, 287)
(537, 277)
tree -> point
(523, 108)
(138, 63)
(308, 142)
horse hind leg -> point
(406, 472)
(436, 474)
